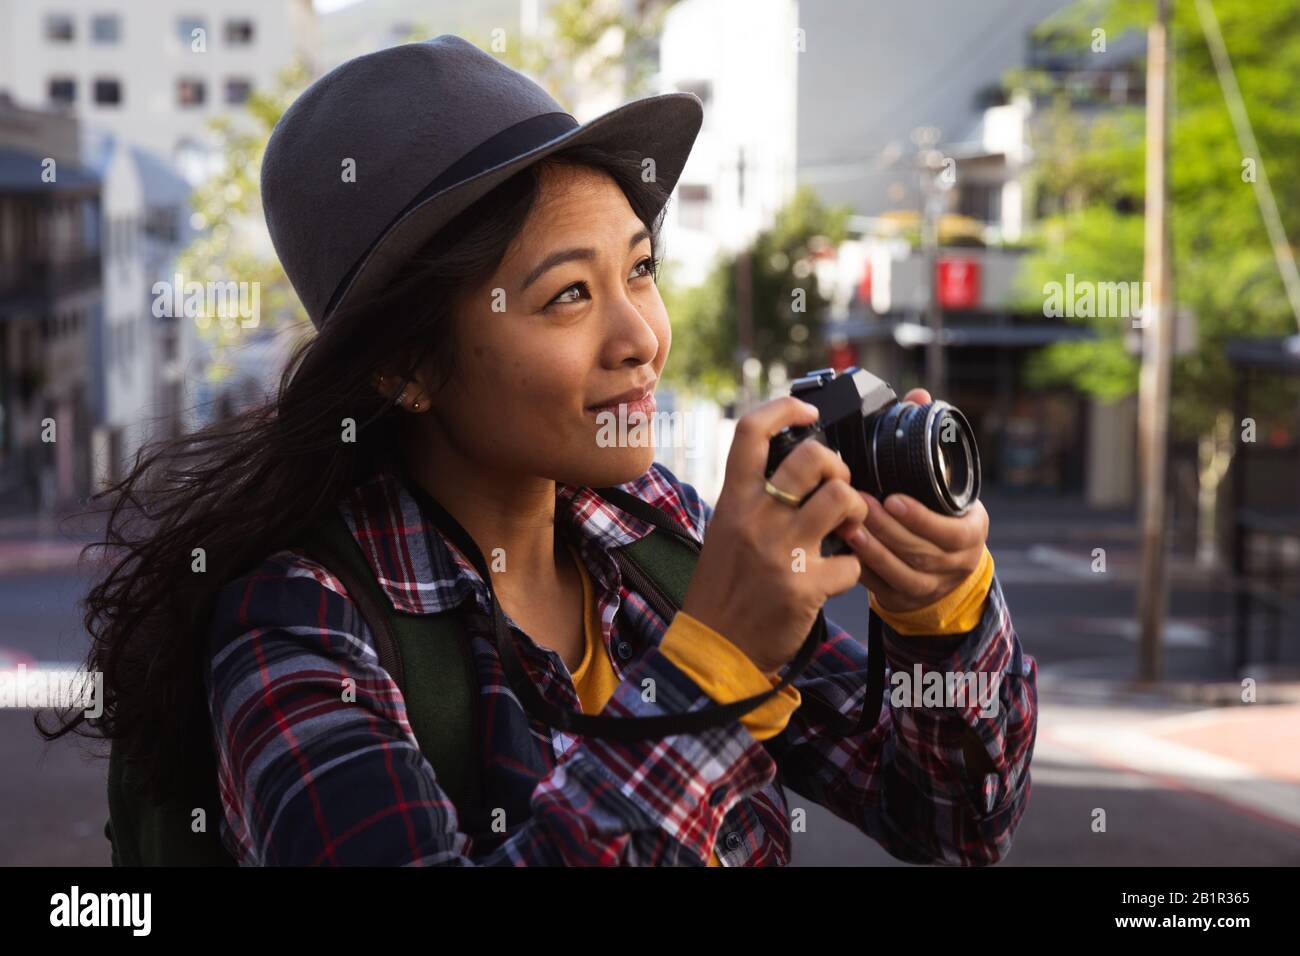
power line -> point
(1282, 250)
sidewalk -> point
(1105, 679)
(1246, 758)
(31, 542)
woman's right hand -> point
(752, 585)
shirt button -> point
(732, 840)
(624, 650)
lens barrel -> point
(925, 451)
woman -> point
(470, 340)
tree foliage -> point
(1090, 178)
(786, 301)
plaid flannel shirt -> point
(307, 777)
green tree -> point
(227, 208)
(1090, 179)
(595, 40)
(786, 302)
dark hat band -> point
(509, 143)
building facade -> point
(152, 71)
(742, 58)
(51, 303)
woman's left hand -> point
(913, 556)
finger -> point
(871, 580)
(882, 592)
(833, 504)
(890, 530)
(749, 445)
(891, 569)
(913, 550)
(810, 464)
(918, 395)
(948, 532)
(839, 574)
(845, 529)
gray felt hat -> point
(429, 128)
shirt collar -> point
(421, 572)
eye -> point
(561, 300)
(649, 262)
(652, 264)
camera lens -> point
(928, 452)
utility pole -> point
(932, 204)
(1157, 342)
(744, 301)
(935, 371)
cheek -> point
(532, 397)
(522, 407)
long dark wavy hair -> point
(246, 487)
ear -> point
(386, 381)
(408, 386)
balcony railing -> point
(44, 281)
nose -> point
(631, 337)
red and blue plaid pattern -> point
(318, 765)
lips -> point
(635, 396)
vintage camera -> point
(926, 451)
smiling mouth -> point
(640, 402)
(635, 411)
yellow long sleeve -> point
(955, 613)
(724, 671)
(726, 674)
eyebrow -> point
(570, 255)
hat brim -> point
(663, 127)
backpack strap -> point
(661, 563)
(428, 657)
(143, 833)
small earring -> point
(415, 406)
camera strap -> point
(627, 729)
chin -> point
(612, 466)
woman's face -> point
(571, 318)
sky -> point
(329, 6)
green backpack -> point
(424, 651)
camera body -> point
(925, 451)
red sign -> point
(842, 355)
(864, 286)
(957, 283)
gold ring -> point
(782, 496)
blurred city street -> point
(1003, 203)
(1182, 783)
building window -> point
(59, 28)
(701, 88)
(105, 28)
(694, 205)
(186, 28)
(704, 90)
(237, 91)
(239, 32)
(160, 223)
(170, 349)
(190, 92)
(108, 92)
(63, 89)
(92, 226)
(981, 201)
